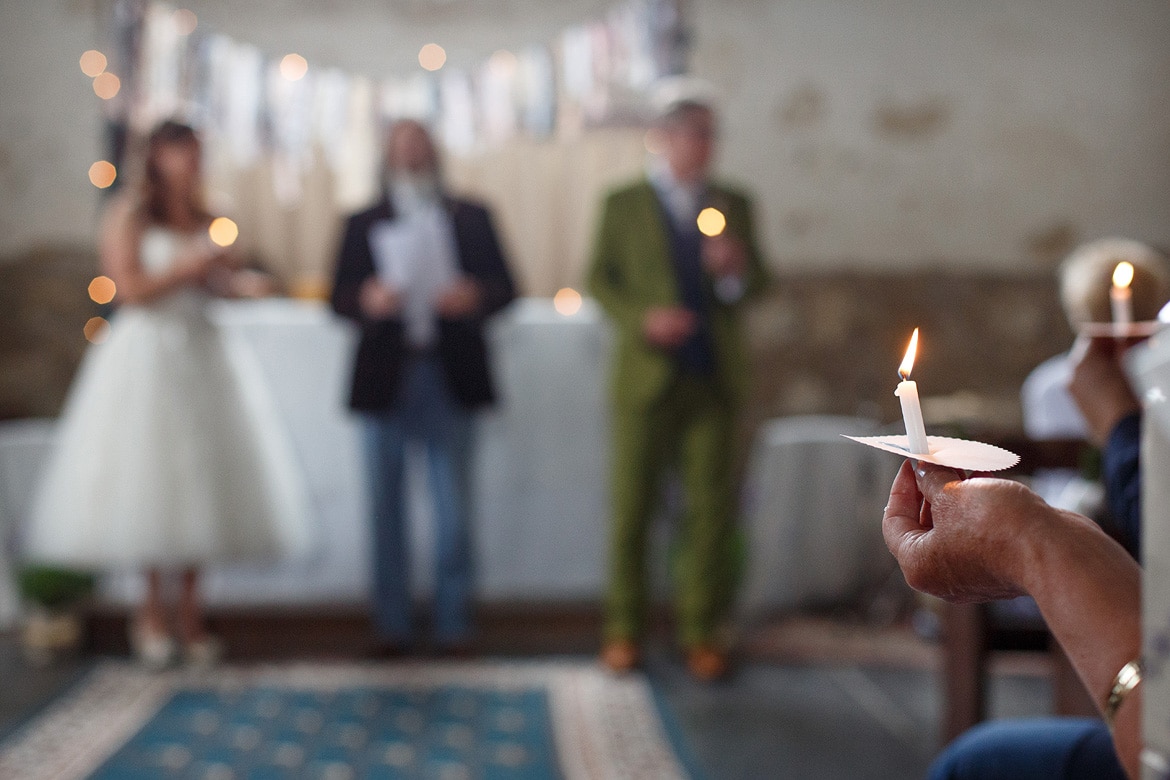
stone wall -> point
(826, 342)
(875, 134)
(44, 306)
(831, 343)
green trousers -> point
(692, 428)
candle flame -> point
(908, 361)
(1123, 274)
(711, 222)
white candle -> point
(907, 393)
(1121, 297)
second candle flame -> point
(1123, 274)
(908, 361)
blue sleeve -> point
(1122, 473)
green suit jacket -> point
(632, 271)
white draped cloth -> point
(814, 513)
(1150, 368)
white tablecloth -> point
(540, 489)
(539, 495)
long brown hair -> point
(152, 193)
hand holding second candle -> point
(1100, 387)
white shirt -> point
(682, 199)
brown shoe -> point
(620, 656)
(707, 663)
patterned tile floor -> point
(274, 734)
(770, 720)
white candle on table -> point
(907, 393)
(1121, 297)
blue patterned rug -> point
(473, 721)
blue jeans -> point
(1031, 749)
(427, 414)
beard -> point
(416, 187)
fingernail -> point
(920, 471)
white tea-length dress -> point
(169, 450)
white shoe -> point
(153, 650)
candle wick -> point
(905, 376)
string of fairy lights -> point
(223, 231)
(162, 61)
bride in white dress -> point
(166, 458)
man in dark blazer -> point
(419, 273)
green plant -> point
(54, 588)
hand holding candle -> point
(222, 233)
(724, 255)
(907, 393)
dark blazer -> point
(382, 348)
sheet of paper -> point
(397, 245)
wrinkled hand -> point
(377, 300)
(668, 327)
(1100, 387)
(459, 299)
(724, 255)
(962, 540)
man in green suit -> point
(679, 377)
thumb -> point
(933, 480)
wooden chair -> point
(970, 636)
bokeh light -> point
(432, 56)
(102, 289)
(102, 174)
(223, 231)
(93, 63)
(96, 330)
(185, 21)
(502, 59)
(293, 67)
(711, 222)
(567, 301)
(106, 85)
